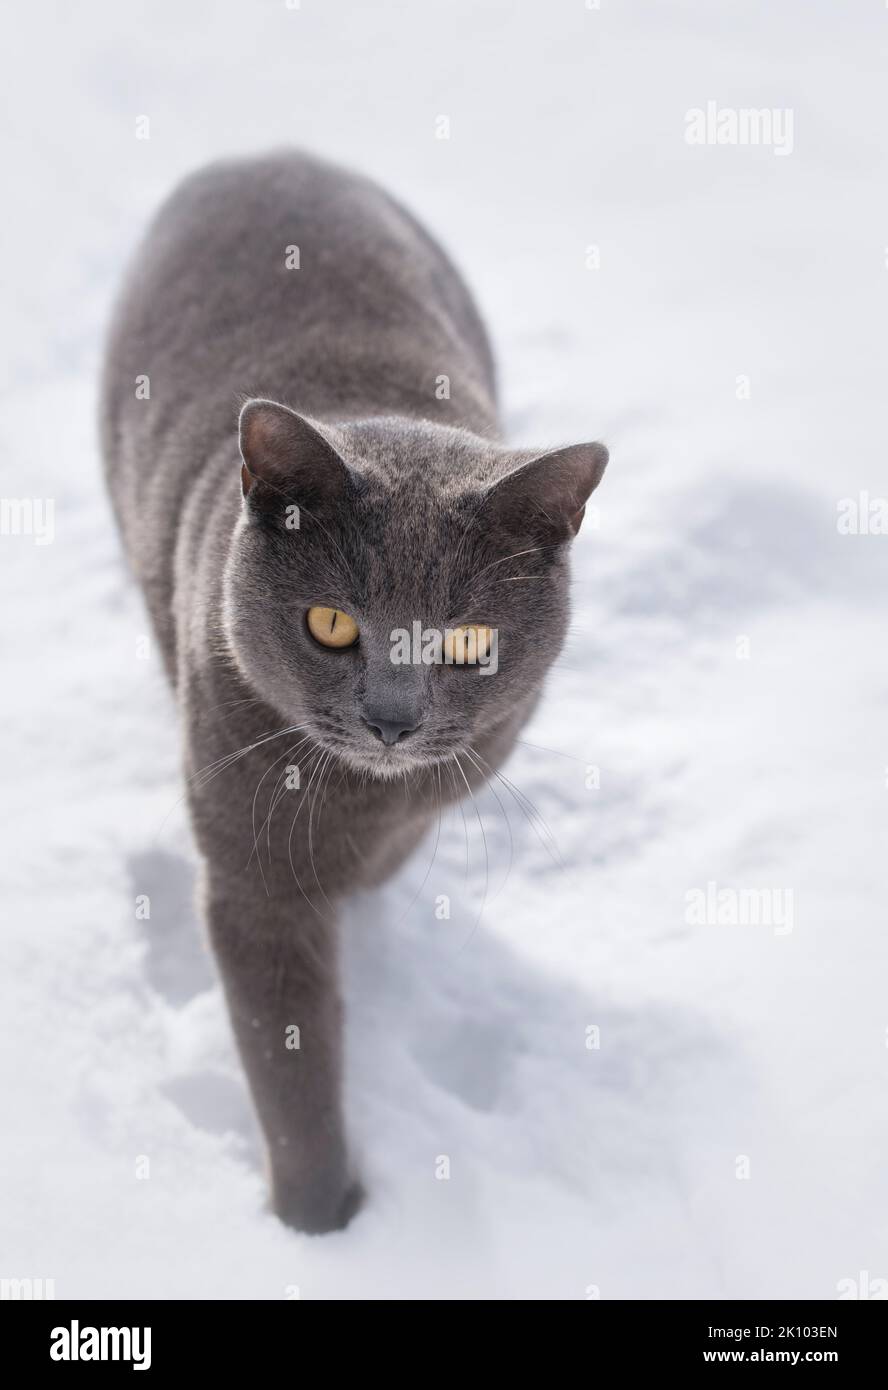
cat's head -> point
(396, 588)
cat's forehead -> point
(425, 460)
(412, 525)
(412, 537)
(407, 503)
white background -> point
(570, 1167)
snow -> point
(572, 1168)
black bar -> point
(265, 1337)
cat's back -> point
(290, 277)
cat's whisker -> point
(277, 798)
(532, 816)
(316, 772)
(344, 771)
(322, 766)
(556, 752)
(534, 550)
(486, 851)
(266, 825)
(416, 896)
(256, 833)
(473, 757)
(325, 769)
(333, 761)
(457, 796)
(277, 794)
(296, 879)
(228, 758)
(230, 704)
(219, 763)
(213, 770)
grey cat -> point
(369, 492)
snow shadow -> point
(739, 546)
(177, 963)
(462, 1044)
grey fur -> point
(410, 509)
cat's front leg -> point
(278, 961)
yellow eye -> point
(466, 646)
(331, 627)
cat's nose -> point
(390, 729)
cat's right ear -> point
(546, 495)
(287, 459)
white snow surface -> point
(572, 1168)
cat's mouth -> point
(386, 762)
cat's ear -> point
(287, 458)
(547, 494)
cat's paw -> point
(319, 1212)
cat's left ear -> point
(548, 493)
(287, 458)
